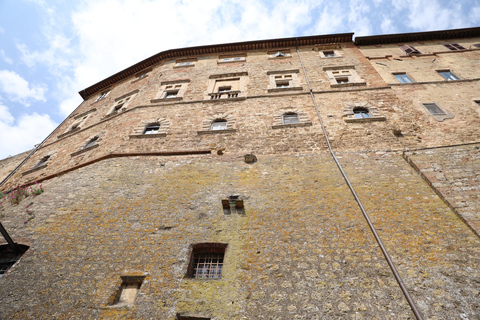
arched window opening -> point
(361, 113)
(152, 129)
(219, 124)
(290, 118)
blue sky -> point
(51, 49)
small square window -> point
(279, 54)
(233, 205)
(403, 78)
(329, 54)
(454, 46)
(128, 290)
(91, 143)
(342, 80)
(102, 95)
(207, 261)
(232, 59)
(361, 113)
(410, 50)
(171, 94)
(151, 129)
(224, 89)
(219, 125)
(448, 75)
(434, 109)
(290, 118)
(283, 84)
(143, 75)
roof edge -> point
(418, 36)
(217, 48)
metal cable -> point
(367, 218)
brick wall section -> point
(9, 164)
(453, 172)
(302, 251)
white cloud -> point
(387, 26)
(2, 30)
(5, 57)
(18, 89)
(30, 129)
(474, 15)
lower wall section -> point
(300, 250)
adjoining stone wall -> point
(454, 173)
(301, 251)
(9, 164)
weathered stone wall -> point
(7, 165)
(302, 250)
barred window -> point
(207, 261)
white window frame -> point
(448, 75)
(103, 95)
(402, 77)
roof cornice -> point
(418, 36)
(215, 49)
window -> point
(283, 81)
(143, 75)
(91, 142)
(477, 102)
(179, 317)
(8, 257)
(410, 50)
(42, 161)
(286, 80)
(226, 86)
(449, 76)
(151, 129)
(171, 90)
(233, 204)
(207, 261)
(128, 290)
(225, 89)
(279, 54)
(121, 103)
(232, 59)
(434, 109)
(219, 125)
(403, 78)
(343, 76)
(477, 45)
(454, 46)
(361, 113)
(102, 95)
(184, 64)
(329, 54)
(290, 118)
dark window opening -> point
(151, 129)
(329, 54)
(361, 113)
(92, 142)
(454, 46)
(206, 261)
(233, 204)
(342, 80)
(290, 118)
(42, 161)
(279, 54)
(410, 50)
(219, 125)
(434, 109)
(128, 290)
(8, 257)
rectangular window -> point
(448, 75)
(434, 109)
(128, 290)
(329, 54)
(454, 46)
(403, 78)
(207, 261)
(477, 102)
(102, 95)
(342, 80)
(410, 50)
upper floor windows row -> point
(403, 77)
(412, 50)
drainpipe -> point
(367, 218)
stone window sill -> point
(285, 89)
(34, 169)
(202, 132)
(351, 84)
(83, 150)
(225, 99)
(292, 125)
(166, 100)
(146, 136)
(372, 119)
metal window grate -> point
(207, 265)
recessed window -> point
(448, 75)
(434, 109)
(410, 50)
(361, 113)
(42, 161)
(102, 95)
(128, 290)
(219, 125)
(151, 129)
(183, 64)
(207, 261)
(233, 204)
(279, 54)
(477, 102)
(91, 143)
(290, 118)
(171, 94)
(403, 78)
(341, 80)
(8, 256)
(329, 54)
(454, 46)
(232, 59)
(224, 89)
(283, 81)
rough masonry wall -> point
(301, 251)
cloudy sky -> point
(52, 49)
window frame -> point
(290, 118)
(362, 111)
(448, 75)
(214, 249)
(151, 127)
(410, 50)
(454, 46)
(402, 77)
(103, 95)
(434, 105)
(224, 123)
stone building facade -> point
(199, 184)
